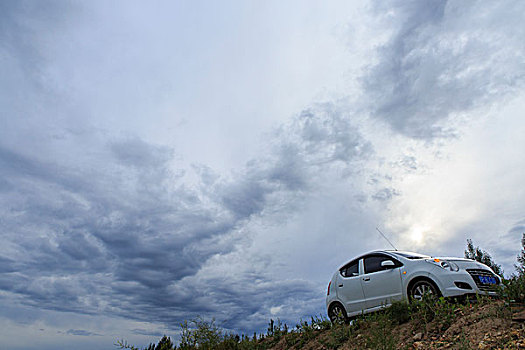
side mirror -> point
(387, 264)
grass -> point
(513, 289)
(376, 331)
(377, 327)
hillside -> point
(432, 324)
(488, 324)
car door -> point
(349, 289)
(381, 284)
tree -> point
(482, 256)
(521, 258)
(164, 344)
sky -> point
(171, 160)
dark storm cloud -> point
(81, 332)
(319, 138)
(444, 58)
(112, 229)
(130, 230)
(7, 265)
(124, 235)
(252, 313)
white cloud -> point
(468, 189)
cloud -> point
(385, 194)
(147, 332)
(130, 230)
(125, 235)
(444, 58)
(19, 29)
(81, 332)
(519, 227)
(101, 216)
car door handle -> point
(366, 278)
(340, 285)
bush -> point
(520, 267)
(381, 336)
(399, 312)
(482, 256)
(514, 289)
(205, 335)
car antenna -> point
(381, 233)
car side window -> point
(351, 269)
(373, 263)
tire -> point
(421, 288)
(337, 313)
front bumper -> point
(468, 282)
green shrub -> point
(203, 335)
(399, 312)
(381, 336)
(424, 309)
(513, 289)
(338, 335)
(165, 343)
(482, 256)
(444, 313)
(520, 267)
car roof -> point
(391, 251)
(398, 253)
(406, 254)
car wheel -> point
(337, 313)
(421, 289)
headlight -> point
(447, 265)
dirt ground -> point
(493, 325)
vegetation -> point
(476, 253)
(430, 323)
(520, 267)
(514, 287)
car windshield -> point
(411, 255)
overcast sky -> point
(169, 160)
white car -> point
(374, 280)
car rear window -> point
(352, 269)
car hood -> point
(464, 263)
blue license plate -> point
(487, 280)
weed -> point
(381, 336)
(377, 329)
(292, 338)
(444, 313)
(464, 343)
(307, 333)
(513, 289)
(338, 335)
(399, 312)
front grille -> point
(477, 273)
